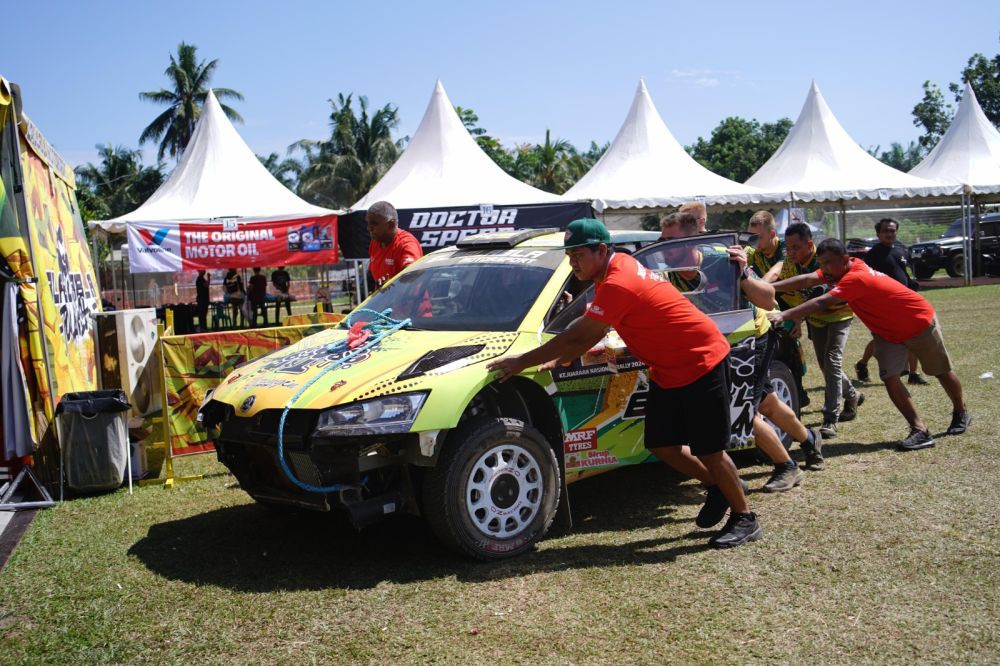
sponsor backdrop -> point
(195, 364)
(160, 247)
(441, 227)
(65, 272)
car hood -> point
(947, 240)
(387, 368)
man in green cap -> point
(687, 410)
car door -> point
(601, 396)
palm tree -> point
(553, 165)
(189, 80)
(898, 156)
(286, 171)
(339, 171)
(119, 184)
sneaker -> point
(918, 439)
(828, 429)
(851, 405)
(916, 380)
(862, 369)
(804, 399)
(960, 422)
(741, 528)
(786, 476)
(715, 506)
(814, 450)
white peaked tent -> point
(218, 176)
(819, 161)
(645, 167)
(444, 166)
(968, 153)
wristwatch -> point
(746, 274)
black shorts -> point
(764, 351)
(696, 414)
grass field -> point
(884, 557)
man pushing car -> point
(687, 410)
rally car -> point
(396, 412)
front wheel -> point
(956, 265)
(923, 271)
(495, 489)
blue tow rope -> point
(382, 326)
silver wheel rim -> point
(784, 393)
(504, 491)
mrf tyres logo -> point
(73, 295)
(446, 227)
(575, 441)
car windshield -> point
(467, 291)
(954, 229)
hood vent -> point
(437, 358)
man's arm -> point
(580, 336)
(758, 292)
(772, 274)
(819, 304)
(798, 282)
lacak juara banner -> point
(159, 247)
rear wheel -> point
(495, 489)
(785, 390)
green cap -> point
(586, 231)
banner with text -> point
(441, 227)
(159, 247)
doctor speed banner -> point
(441, 227)
(155, 247)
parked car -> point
(417, 424)
(947, 251)
(858, 247)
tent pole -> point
(843, 222)
(966, 240)
(978, 255)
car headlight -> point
(379, 416)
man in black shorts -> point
(687, 410)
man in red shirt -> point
(901, 321)
(392, 249)
(688, 402)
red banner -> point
(162, 247)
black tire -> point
(786, 391)
(522, 489)
(923, 271)
(956, 265)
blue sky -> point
(522, 66)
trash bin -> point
(93, 427)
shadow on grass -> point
(253, 548)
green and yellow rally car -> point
(396, 412)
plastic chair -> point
(220, 316)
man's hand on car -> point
(738, 255)
(506, 367)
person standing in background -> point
(258, 296)
(201, 289)
(282, 281)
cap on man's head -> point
(586, 231)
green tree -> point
(933, 114)
(505, 159)
(189, 88)
(898, 156)
(118, 185)
(286, 171)
(339, 171)
(738, 147)
(549, 166)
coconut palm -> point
(286, 171)
(339, 171)
(189, 81)
(553, 165)
(119, 184)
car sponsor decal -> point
(302, 361)
(248, 403)
(575, 441)
(597, 458)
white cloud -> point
(706, 82)
(703, 78)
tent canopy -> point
(218, 177)
(444, 166)
(646, 167)
(968, 153)
(819, 161)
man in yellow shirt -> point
(828, 330)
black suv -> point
(946, 252)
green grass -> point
(883, 557)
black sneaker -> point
(960, 422)
(862, 369)
(715, 506)
(851, 405)
(741, 528)
(814, 450)
(786, 476)
(918, 439)
(916, 380)
(828, 429)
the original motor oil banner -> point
(195, 364)
(160, 247)
(66, 279)
(441, 227)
